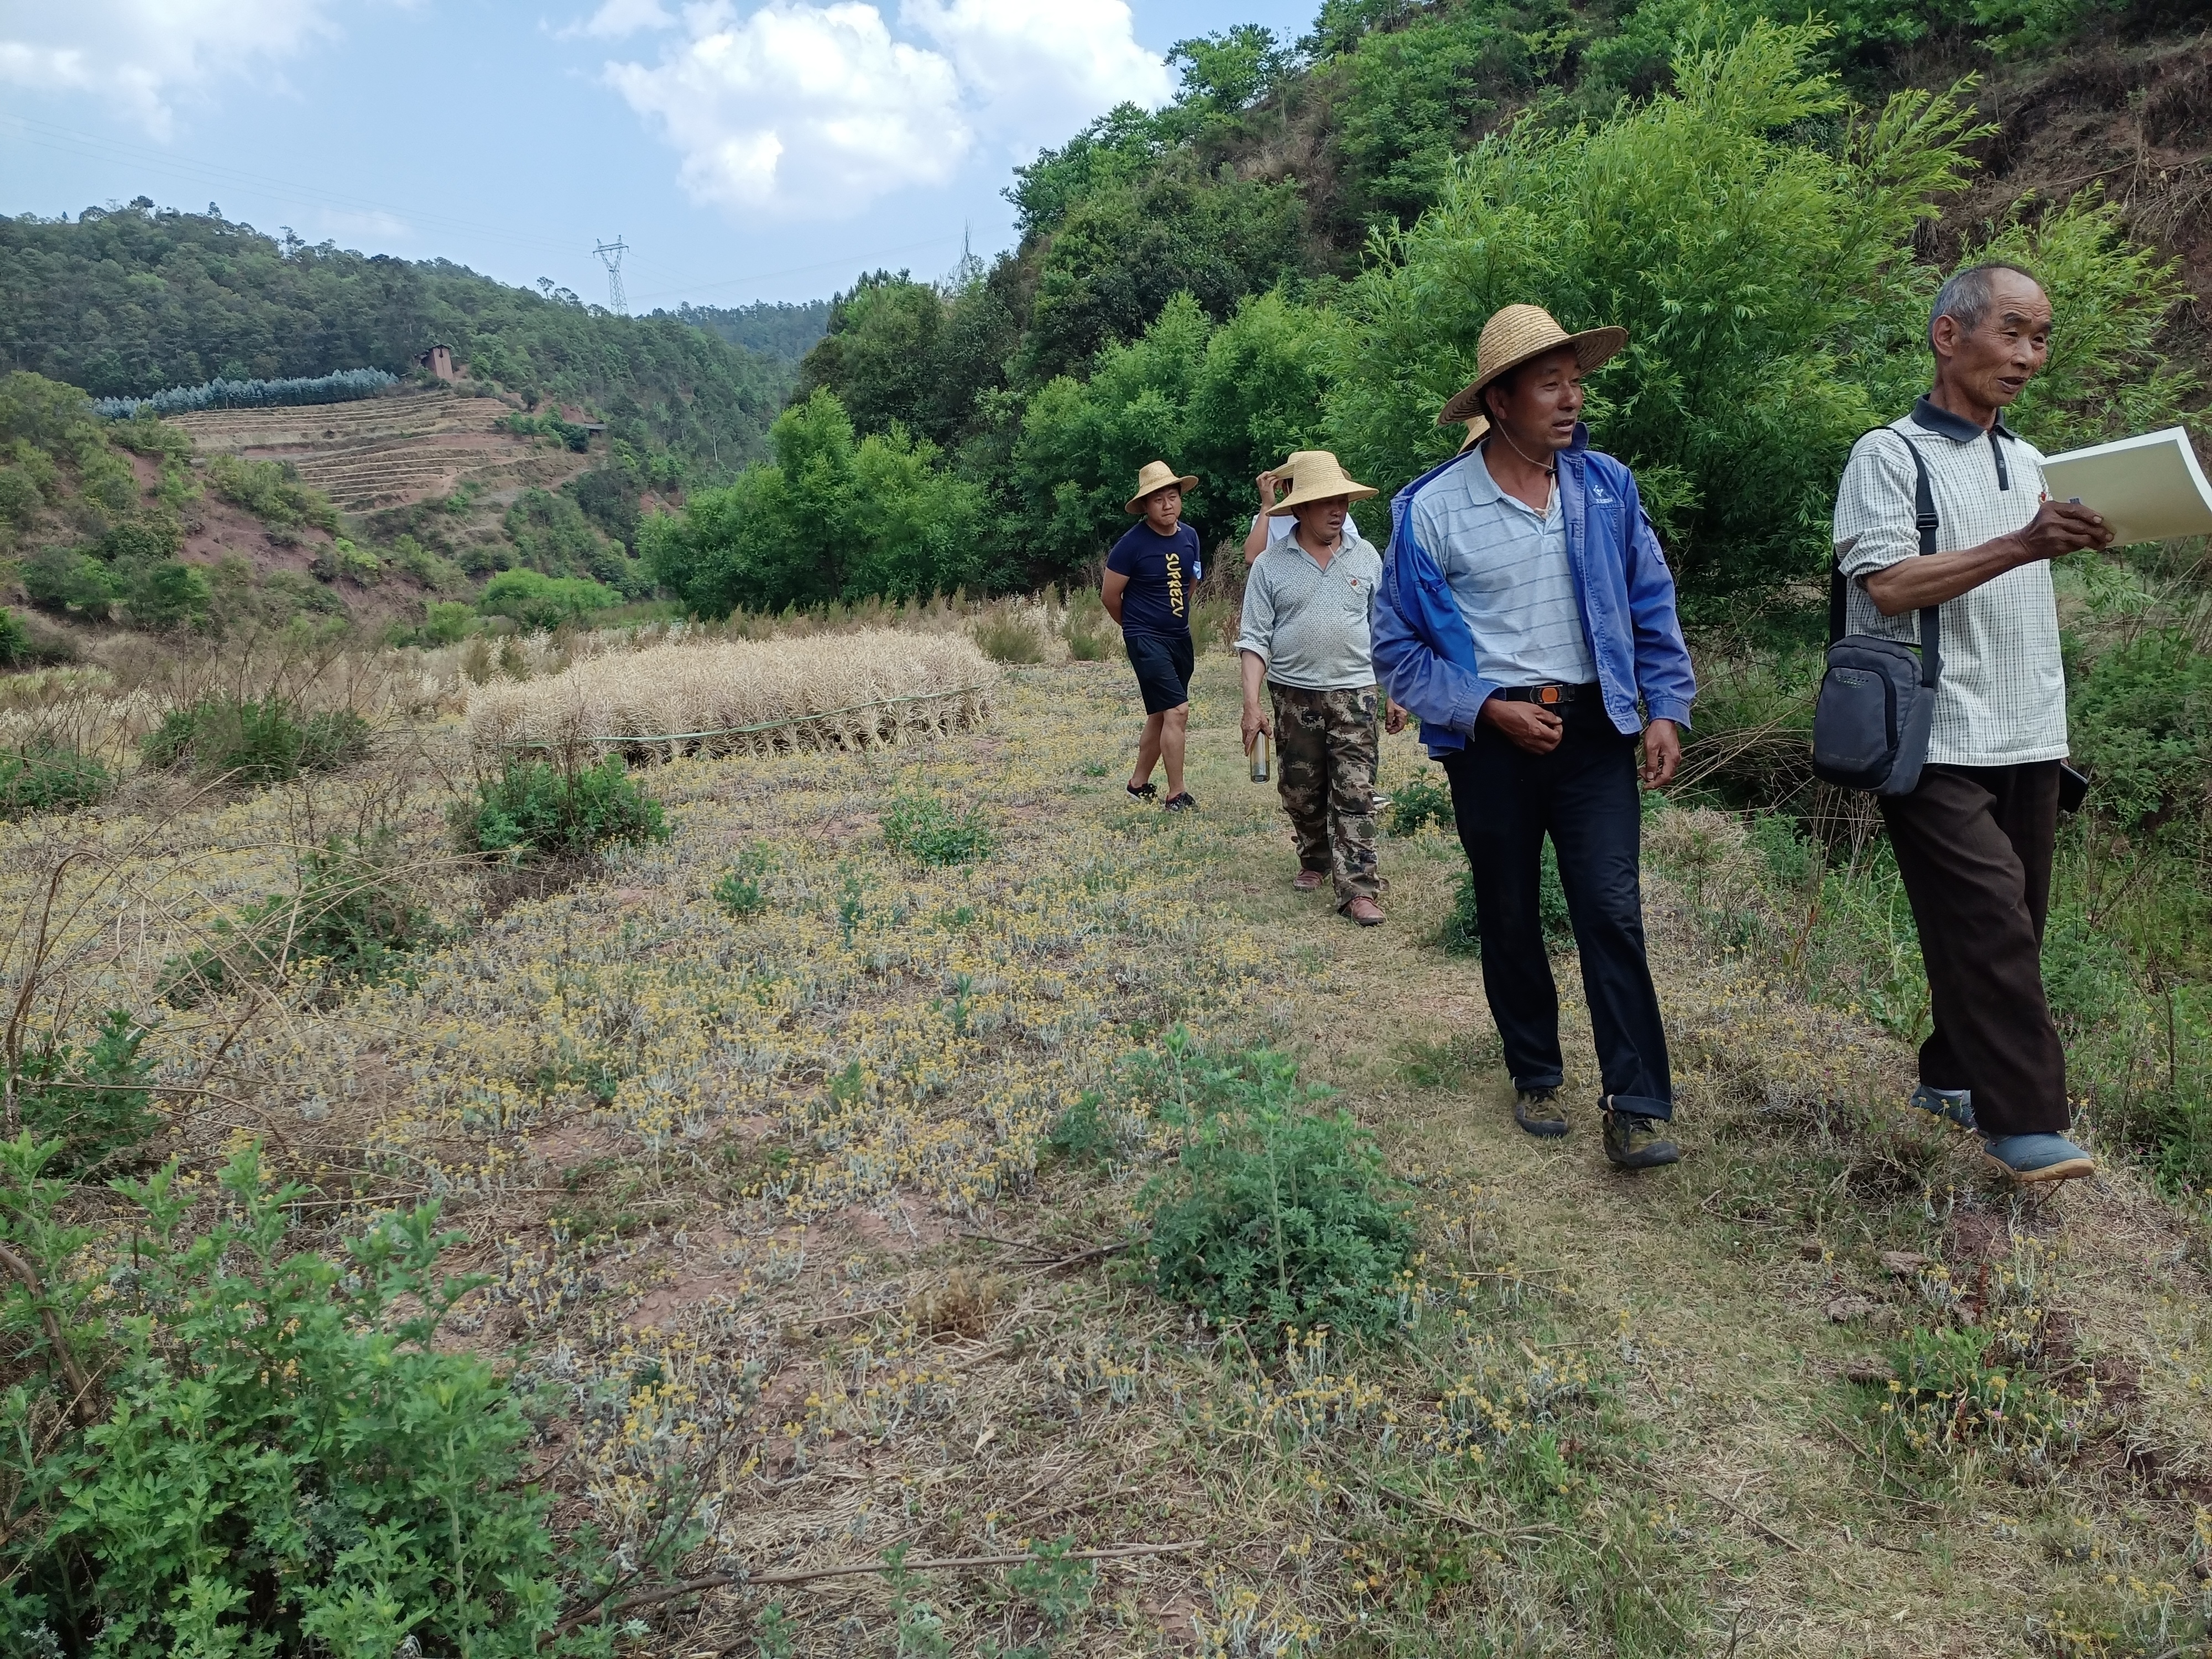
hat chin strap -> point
(1550, 470)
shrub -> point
(1004, 635)
(1087, 629)
(1418, 802)
(14, 640)
(88, 1104)
(271, 492)
(2142, 722)
(255, 740)
(1463, 928)
(277, 1459)
(169, 594)
(447, 622)
(1273, 1214)
(68, 579)
(532, 809)
(925, 829)
(349, 914)
(45, 777)
(546, 602)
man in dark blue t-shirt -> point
(1149, 576)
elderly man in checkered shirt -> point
(1974, 839)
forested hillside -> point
(777, 328)
(131, 301)
(1303, 245)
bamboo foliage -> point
(850, 691)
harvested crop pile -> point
(850, 690)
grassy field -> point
(775, 1231)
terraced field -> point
(389, 451)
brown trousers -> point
(1974, 846)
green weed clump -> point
(1462, 924)
(1274, 1215)
(255, 740)
(924, 828)
(1418, 802)
(88, 1104)
(1087, 629)
(533, 809)
(740, 891)
(43, 777)
(350, 917)
(232, 1446)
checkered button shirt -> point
(2002, 699)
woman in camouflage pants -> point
(1309, 607)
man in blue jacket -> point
(1526, 612)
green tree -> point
(536, 601)
(169, 594)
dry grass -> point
(853, 690)
(767, 1203)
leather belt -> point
(1550, 696)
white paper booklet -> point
(2148, 488)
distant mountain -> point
(128, 302)
(780, 329)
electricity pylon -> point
(611, 253)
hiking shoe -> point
(1144, 791)
(2031, 1158)
(1634, 1141)
(1538, 1112)
(1954, 1106)
(1185, 802)
(1310, 879)
(1364, 911)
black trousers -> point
(1974, 844)
(1583, 795)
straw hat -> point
(1477, 430)
(1513, 336)
(1155, 476)
(1315, 476)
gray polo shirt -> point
(2002, 699)
(1314, 628)
(1506, 564)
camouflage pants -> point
(1325, 753)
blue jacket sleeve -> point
(1663, 673)
(1438, 692)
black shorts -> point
(1164, 666)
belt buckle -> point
(1548, 694)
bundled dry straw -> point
(850, 690)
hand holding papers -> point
(2147, 487)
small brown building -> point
(439, 359)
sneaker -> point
(1310, 879)
(1185, 802)
(1954, 1106)
(1144, 791)
(2030, 1159)
(1364, 911)
(1634, 1141)
(1538, 1112)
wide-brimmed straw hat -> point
(1155, 476)
(1516, 335)
(1317, 475)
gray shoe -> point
(1954, 1106)
(2028, 1158)
(1538, 1112)
(1634, 1141)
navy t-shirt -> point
(1160, 569)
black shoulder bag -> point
(1877, 699)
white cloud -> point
(815, 111)
(618, 18)
(139, 56)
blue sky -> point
(744, 150)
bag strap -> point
(1925, 521)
